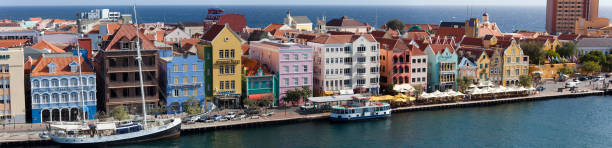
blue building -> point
(442, 65)
(55, 89)
(181, 78)
(259, 82)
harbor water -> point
(571, 122)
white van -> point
(571, 84)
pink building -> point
(290, 63)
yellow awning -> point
(382, 98)
(329, 92)
(412, 99)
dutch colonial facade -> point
(221, 51)
(181, 79)
(418, 64)
(466, 68)
(496, 66)
(395, 62)
(346, 63)
(117, 71)
(442, 65)
(59, 91)
(291, 63)
(515, 64)
(259, 81)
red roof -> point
(340, 33)
(12, 43)
(212, 32)
(245, 49)
(417, 35)
(251, 66)
(63, 66)
(35, 19)
(237, 22)
(437, 48)
(129, 32)
(472, 41)
(272, 27)
(9, 25)
(451, 32)
(378, 34)
(42, 44)
(568, 37)
(415, 51)
(391, 44)
(336, 39)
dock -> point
(196, 128)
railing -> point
(132, 68)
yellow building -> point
(484, 70)
(549, 71)
(221, 51)
(548, 45)
(516, 63)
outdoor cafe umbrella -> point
(403, 88)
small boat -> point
(360, 111)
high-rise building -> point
(561, 15)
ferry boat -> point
(360, 111)
(113, 133)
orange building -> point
(561, 15)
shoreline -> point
(265, 122)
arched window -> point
(36, 99)
(45, 98)
(73, 97)
(65, 97)
(56, 98)
(35, 84)
(73, 82)
(45, 83)
(55, 83)
(92, 96)
(84, 81)
(92, 81)
(64, 82)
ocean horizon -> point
(508, 18)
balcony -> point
(131, 69)
(118, 84)
(185, 85)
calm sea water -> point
(560, 123)
(508, 18)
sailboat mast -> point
(139, 59)
(80, 81)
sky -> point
(281, 2)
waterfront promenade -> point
(27, 134)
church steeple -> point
(288, 19)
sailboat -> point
(113, 133)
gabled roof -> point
(129, 32)
(63, 66)
(306, 37)
(414, 51)
(470, 41)
(570, 37)
(451, 32)
(339, 39)
(273, 27)
(416, 35)
(345, 21)
(237, 22)
(392, 44)
(42, 44)
(212, 32)
(251, 66)
(438, 48)
(12, 43)
(466, 61)
(300, 20)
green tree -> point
(192, 106)
(525, 80)
(119, 113)
(552, 54)
(565, 70)
(534, 51)
(595, 56)
(305, 92)
(567, 50)
(608, 65)
(395, 24)
(418, 89)
(463, 83)
(292, 96)
(590, 67)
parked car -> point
(203, 118)
(583, 78)
(216, 117)
(571, 84)
(608, 75)
(251, 111)
(541, 88)
(230, 115)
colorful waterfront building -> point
(181, 78)
(496, 66)
(442, 64)
(346, 63)
(418, 64)
(62, 89)
(467, 68)
(220, 49)
(483, 63)
(395, 62)
(291, 63)
(12, 87)
(259, 82)
(516, 63)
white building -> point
(346, 63)
(586, 45)
(176, 35)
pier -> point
(31, 138)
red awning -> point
(261, 96)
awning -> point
(403, 88)
(328, 92)
(346, 92)
(261, 96)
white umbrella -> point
(425, 95)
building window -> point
(195, 92)
(295, 68)
(73, 97)
(195, 79)
(286, 69)
(221, 85)
(286, 56)
(286, 81)
(305, 68)
(194, 67)
(45, 99)
(305, 80)
(227, 69)
(36, 99)
(221, 54)
(373, 48)
(185, 92)
(232, 53)
(221, 69)
(305, 56)
(55, 83)
(361, 49)
(296, 57)
(232, 69)
(296, 81)
(65, 97)
(36, 83)
(233, 84)
(185, 80)
(361, 59)
(227, 54)
(45, 83)
(361, 70)
(373, 80)
(185, 68)
(92, 96)
(373, 59)
(56, 98)
(176, 80)
(361, 81)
